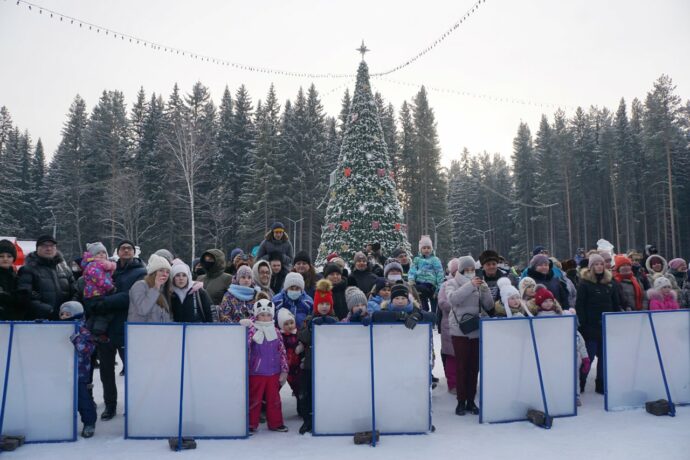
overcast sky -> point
(554, 52)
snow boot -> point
(108, 413)
(583, 382)
(280, 429)
(599, 386)
(660, 407)
(472, 407)
(306, 427)
(366, 437)
(88, 431)
(539, 418)
(187, 444)
(460, 409)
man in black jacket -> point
(129, 271)
(45, 281)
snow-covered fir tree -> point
(363, 204)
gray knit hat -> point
(465, 263)
(354, 296)
(392, 266)
(95, 248)
(293, 279)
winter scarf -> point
(243, 293)
(636, 286)
(264, 330)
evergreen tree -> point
(363, 205)
(524, 165)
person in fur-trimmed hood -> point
(323, 314)
(596, 294)
(268, 366)
(261, 272)
(662, 296)
(657, 267)
(277, 240)
(511, 303)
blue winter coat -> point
(427, 269)
(300, 308)
(374, 304)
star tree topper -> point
(363, 49)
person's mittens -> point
(246, 322)
(412, 320)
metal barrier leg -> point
(672, 407)
(547, 419)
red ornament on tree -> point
(345, 225)
(376, 225)
(348, 171)
(398, 227)
(381, 172)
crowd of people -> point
(279, 295)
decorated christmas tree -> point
(363, 205)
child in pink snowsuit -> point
(98, 282)
(268, 367)
(662, 297)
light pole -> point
(294, 233)
(54, 223)
(436, 226)
(483, 232)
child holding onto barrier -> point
(662, 296)
(85, 345)
(268, 367)
(510, 304)
(294, 349)
(356, 306)
(323, 314)
(98, 281)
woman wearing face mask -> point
(188, 305)
(238, 301)
(629, 289)
(294, 298)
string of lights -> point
(186, 53)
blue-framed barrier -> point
(647, 357)
(527, 363)
(186, 380)
(371, 378)
(38, 368)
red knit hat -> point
(323, 294)
(621, 260)
(541, 295)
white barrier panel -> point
(215, 385)
(215, 395)
(41, 388)
(632, 373)
(509, 381)
(402, 378)
(152, 381)
(341, 376)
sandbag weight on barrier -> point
(672, 407)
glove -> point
(196, 286)
(282, 379)
(412, 320)
(246, 322)
(299, 348)
(366, 321)
(586, 365)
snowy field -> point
(593, 434)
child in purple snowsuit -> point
(85, 346)
(268, 367)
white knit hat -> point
(425, 240)
(157, 263)
(284, 315)
(264, 306)
(293, 279)
(507, 291)
(661, 282)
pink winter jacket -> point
(98, 276)
(658, 301)
(444, 306)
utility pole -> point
(294, 233)
(483, 233)
(436, 227)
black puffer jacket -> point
(363, 279)
(283, 246)
(44, 285)
(595, 295)
(8, 296)
(553, 283)
(339, 302)
(196, 307)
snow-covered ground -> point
(593, 434)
